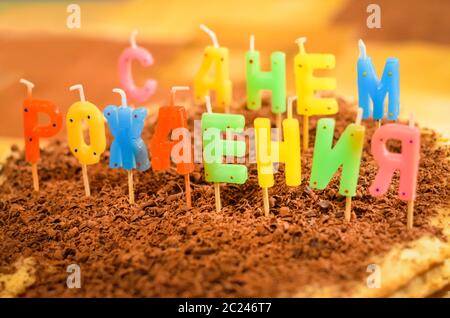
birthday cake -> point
(160, 248)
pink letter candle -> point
(140, 94)
(407, 162)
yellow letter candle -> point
(269, 152)
(214, 57)
(86, 154)
(346, 153)
(306, 85)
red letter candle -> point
(407, 162)
(32, 130)
(170, 119)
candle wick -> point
(291, 100)
(208, 104)
(122, 94)
(301, 44)
(359, 114)
(362, 49)
(80, 88)
(211, 34)
(29, 86)
(133, 39)
(411, 120)
(252, 43)
(175, 89)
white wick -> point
(208, 104)
(252, 42)
(411, 120)
(80, 88)
(133, 39)
(301, 44)
(359, 114)
(175, 89)
(291, 100)
(29, 86)
(211, 34)
(362, 49)
(122, 94)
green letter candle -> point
(215, 148)
(275, 80)
(346, 153)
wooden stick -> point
(266, 201)
(378, 123)
(348, 208)
(87, 189)
(130, 186)
(279, 126)
(305, 132)
(410, 216)
(34, 172)
(187, 186)
(217, 196)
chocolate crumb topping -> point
(158, 247)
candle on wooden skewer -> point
(33, 132)
(215, 148)
(172, 139)
(407, 162)
(346, 153)
(269, 152)
(87, 154)
(128, 150)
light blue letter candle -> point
(371, 88)
(128, 150)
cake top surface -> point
(158, 247)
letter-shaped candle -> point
(407, 162)
(215, 148)
(274, 80)
(346, 153)
(33, 132)
(140, 94)
(128, 150)
(89, 113)
(217, 57)
(269, 152)
(307, 84)
(371, 88)
(170, 119)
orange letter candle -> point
(33, 132)
(161, 146)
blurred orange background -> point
(37, 45)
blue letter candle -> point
(370, 87)
(128, 150)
